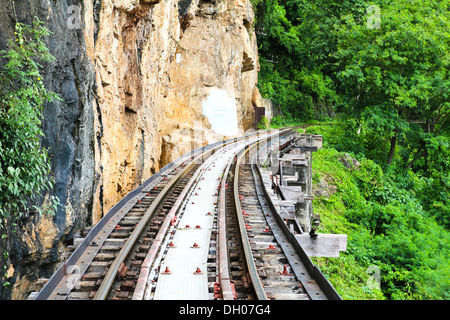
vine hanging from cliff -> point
(24, 165)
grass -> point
(387, 225)
(346, 274)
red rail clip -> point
(198, 271)
(285, 272)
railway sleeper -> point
(144, 248)
(234, 256)
(136, 262)
(263, 238)
(237, 277)
(87, 285)
(79, 295)
(287, 296)
(120, 234)
(136, 211)
(141, 205)
(140, 255)
(99, 266)
(153, 229)
(93, 275)
(104, 256)
(110, 247)
(127, 221)
(115, 242)
(283, 286)
(122, 295)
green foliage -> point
(397, 73)
(264, 123)
(24, 165)
(320, 58)
(279, 122)
(388, 89)
(290, 38)
(284, 92)
(387, 217)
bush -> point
(24, 165)
(386, 214)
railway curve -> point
(202, 228)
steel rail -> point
(123, 253)
(122, 206)
(107, 282)
(324, 286)
(156, 245)
(314, 292)
(320, 287)
(253, 272)
(61, 275)
(223, 260)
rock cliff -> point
(142, 82)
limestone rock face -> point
(132, 56)
(142, 82)
(155, 66)
(216, 53)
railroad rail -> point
(279, 267)
(201, 228)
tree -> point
(398, 73)
(296, 39)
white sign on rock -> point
(220, 108)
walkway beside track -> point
(183, 271)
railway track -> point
(271, 264)
(277, 270)
(201, 229)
